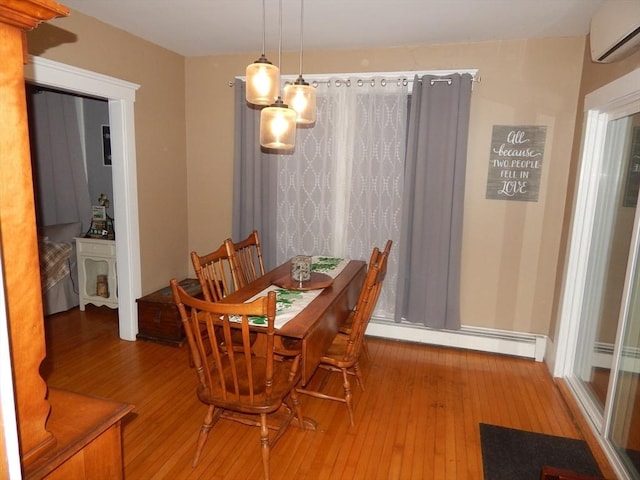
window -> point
(344, 189)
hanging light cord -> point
(301, 32)
(264, 28)
(280, 40)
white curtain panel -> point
(340, 193)
(62, 193)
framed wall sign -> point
(515, 162)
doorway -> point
(120, 96)
(598, 339)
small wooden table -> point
(313, 329)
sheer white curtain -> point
(340, 193)
(62, 193)
(350, 186)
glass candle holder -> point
(301, 269)
(102, 286)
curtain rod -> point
(383, 81)
(400, 78)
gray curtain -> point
(431, 238)
(61, 192)
(254, 180)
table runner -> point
(291, 302)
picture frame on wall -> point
(106, 145)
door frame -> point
(120, 95)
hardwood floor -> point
(417, 419)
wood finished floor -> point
(418, 418)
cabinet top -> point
(28, 14)
(95, 240)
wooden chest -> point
(158, 317)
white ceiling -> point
(213, 27)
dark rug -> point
(509, 454)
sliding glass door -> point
(624, 431)
(613, 219)
(598, 342)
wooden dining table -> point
(313, 329)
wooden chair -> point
(218, 278)
(234, 383)
(247, 258)
(344, 353)
(345, 328)
(216, 273)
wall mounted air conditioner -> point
(615, 30)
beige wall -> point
(185, 151)
(84, 42)
(510, 249)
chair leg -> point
(203, 435)
(365, 348)
(358, 373)
(264, 441)
(297, 408)
(347, 394)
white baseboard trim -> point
(603, 357)
(504, 342)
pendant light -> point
(278, 121)
(300, 95)
(263, 78)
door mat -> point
(509, 454)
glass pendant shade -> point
(263, 80)
(302, 98)
(278, 126)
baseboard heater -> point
(526, 345)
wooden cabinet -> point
(88, 445)
(18, 240)
(61, 434)
(97, 272)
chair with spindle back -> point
(216, 273)
(345, 328)
(344, 353)
(235, 383)
(247, 258)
